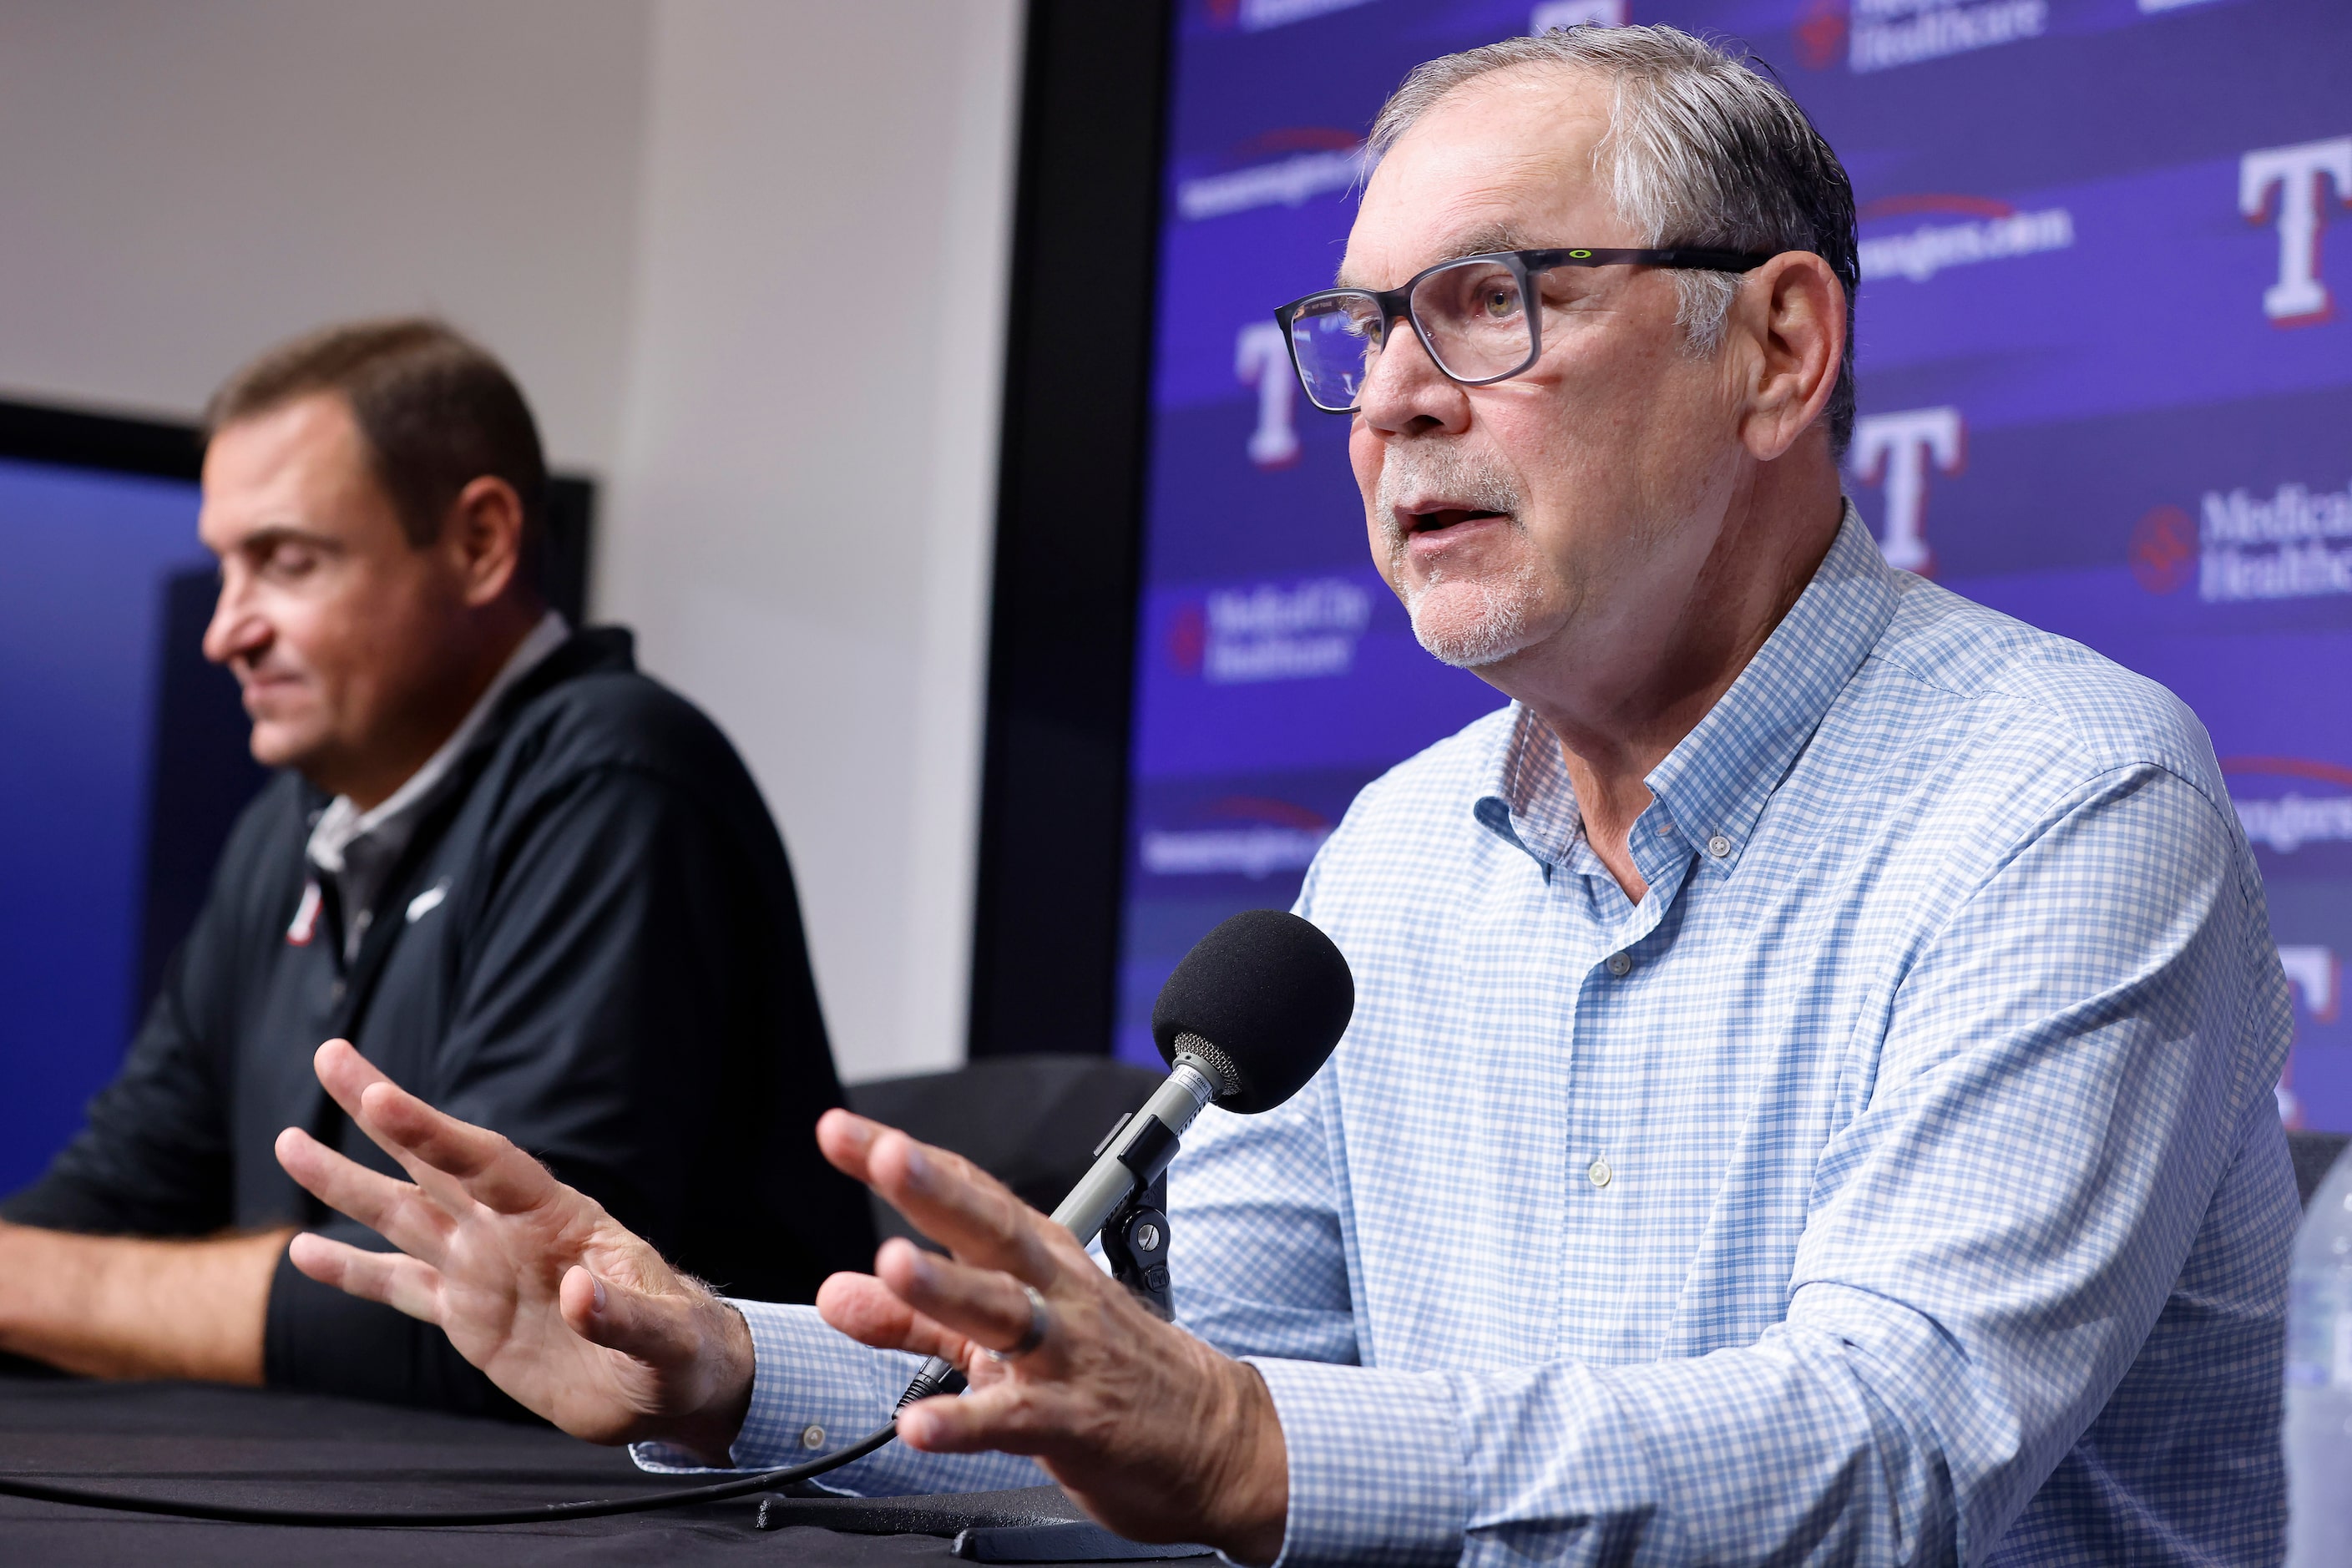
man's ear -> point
(1791, 313)
(484, 536)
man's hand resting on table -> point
(1157, 1435)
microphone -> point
(1248, 1017)
(1244, 1022)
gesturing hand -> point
(533, 1282)
(1157, 1435)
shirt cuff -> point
(815, 1390)
(1376, 1464)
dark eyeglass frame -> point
(1396, 304)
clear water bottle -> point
(2319, 1379)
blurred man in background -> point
(498, 859)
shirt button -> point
(1621, 963)
(335, 992)
(1719, 845)
(812, 1437)
(1600, 1171)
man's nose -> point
(1405, 391)
(235, 628)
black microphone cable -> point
(923, 1387)
(538, 1513)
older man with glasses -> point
(1810, 1092)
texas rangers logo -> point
(2295, 187)
(1897, 449)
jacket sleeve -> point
(152, 1158)
(606, 988)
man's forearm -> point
(125, 1307)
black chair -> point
(2313, 1153)
(1030, 1121)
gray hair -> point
(1701, 150)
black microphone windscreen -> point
(1271, 992)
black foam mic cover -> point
(1270, 992)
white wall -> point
(800, 512)
(746, 257)
(184, 181)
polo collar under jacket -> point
(356, 850)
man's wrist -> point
(729, 1365)
(1252, 1501)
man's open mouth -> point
(1443, 518)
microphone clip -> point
(1135, 1243)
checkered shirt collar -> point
(1715, 783)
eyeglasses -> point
(1471, 314)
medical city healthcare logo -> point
(2164, 550)
(2292, 544)
(1304, 631)
(1880, 35)
(1819, 34)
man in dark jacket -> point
(512, 870)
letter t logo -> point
(1262, 359)
(1898, 446)
(2299, 173)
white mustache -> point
(1465, 479)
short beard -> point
(1500, 626)
(1500, 629)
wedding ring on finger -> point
(1040, 1319)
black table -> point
(287, 1450)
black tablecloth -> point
(285, 1451)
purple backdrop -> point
(2105, 382)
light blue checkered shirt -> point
(1898, 1181)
